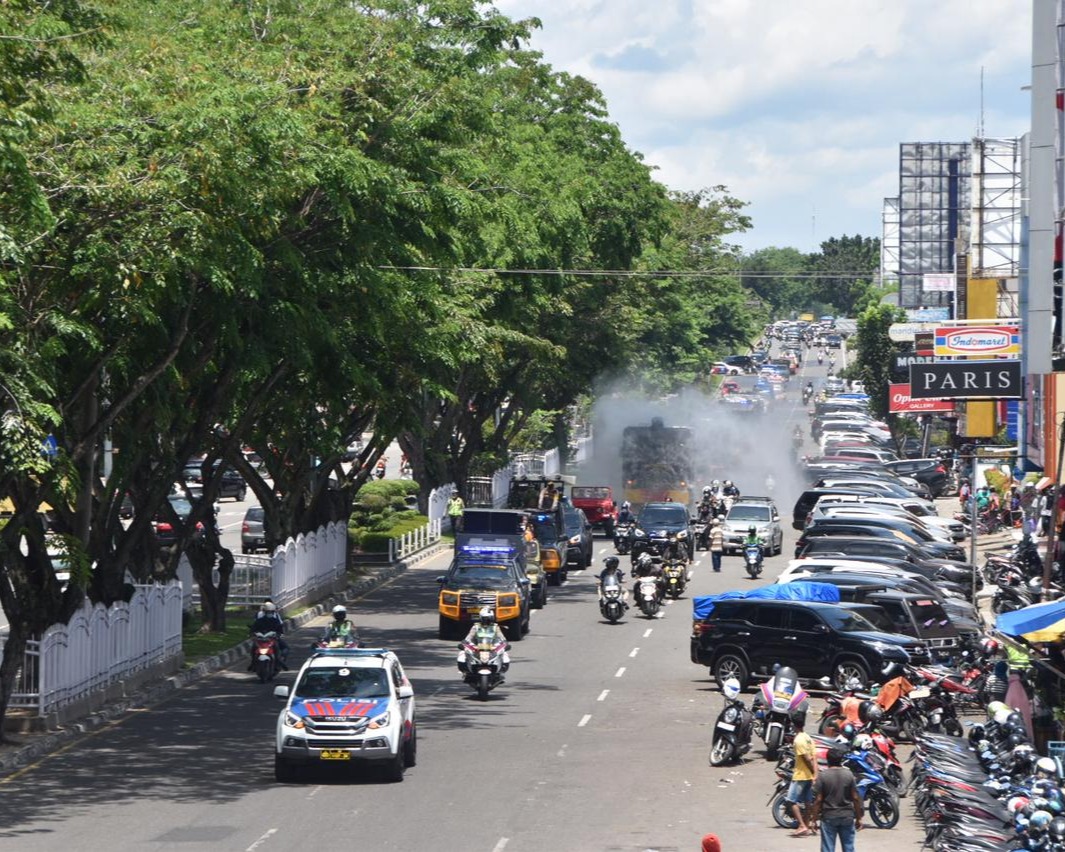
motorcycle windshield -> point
(784, 690)
(610, 583)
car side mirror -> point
(441, 579)
(405, 691)
(281, 691)
(821, 628)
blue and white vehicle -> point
(348, 704)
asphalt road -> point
(598, 741)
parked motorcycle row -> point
(1018, 577)
(990, 790)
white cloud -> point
(794, 106)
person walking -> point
(837, 804)
(803, 776)
(455, 508)
(717, 544)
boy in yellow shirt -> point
(800, 793)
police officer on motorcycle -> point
(645, 566)
(612, 568)
(625, 516)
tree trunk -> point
(14, 652)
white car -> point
(808, 567)
(348, 704)
(762, 514)
(917, 508)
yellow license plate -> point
(474, 611)
(335, 754)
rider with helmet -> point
(269, 620)
(752, 536)
(730, 489)
(625, 516)
(341, 628)
(485, 630)
(645, 566)
(612, 567)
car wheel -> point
(410, 747)
(847, 671)
(284, 770)
(730, 665)
(588, 558)
(447, 628)
(396, 767)
(245, 550)
(242, 494)
(514, 631)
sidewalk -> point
(33, 746)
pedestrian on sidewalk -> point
(837, 804)
(455, 508)
(1046, 508)
(800, 792)
(717, 544)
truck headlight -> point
(683, 534)
(380, 722)
(292, 720)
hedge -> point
(376, 541)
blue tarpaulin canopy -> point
(1031, 618)
(703, 605)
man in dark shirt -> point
(837, 804)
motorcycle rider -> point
(269, 620)
(613, 567)
(625, 516)
(730, 489)
(485, 630)
(341, 628)
(645, 566)
(807, 392)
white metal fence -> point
(299, 569)
(98, 647)
(413, 541)
(438, 497)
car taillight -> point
(809, 517)
(245, 528)
(163, 525)
(940, 469)
(699, 628)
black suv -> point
(659, 521)
(487, 571)
(931, 472)
(578, 537)
(898, 529)
(232, 485)
(745, 638)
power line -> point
(634, 273)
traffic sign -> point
(903, 332)
(50, 447)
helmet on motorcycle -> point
(731, 688)
(611, 562)
(863, 710)
(1001, 716)
(848, 731)
(994, 707)
(706, 490)
(340, 613)
(728, 483)
(1041, 820)
(1016, 739)
(874, 715)
(715, 484)
(1017, 804)
(1046, 767)
(990, 646)
(269, 606)
(752, 530)
(863, 742)
(1057, 827)
(717, 522)
(487, 615)
(645, 560)
(626, 505)
(1015, 719)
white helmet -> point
(1002, 715)
(863, 742)
(730, 688)
(340, 612)
(1047, 766)
(715, 484)
(269, 606)
(487, 615)
(706, 490)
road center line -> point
(619, 672)
(603, 695)
(585, 719)
(634, 652)
(501, 845)
(261, 840)
(647, 632)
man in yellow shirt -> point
(800, 793)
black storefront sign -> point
(966, 380)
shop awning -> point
(1030, 619)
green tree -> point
(876, 353)
(776, 276)
(846, 267)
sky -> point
(797, 106)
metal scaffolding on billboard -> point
(996, 210)
(934, 210)
(889, 242)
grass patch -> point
(199, 646)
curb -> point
(155, 692)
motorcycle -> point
(267, 656)
(732, 733)
(772, 708)
(675, 577)
(623, 538)
(483, 666)
(752, 559)
(611, 599)
(648, 596)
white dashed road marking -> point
(603, 695)
(261, 840)
(585, 719)
(619, 672)
(647, 632)
(501, 845)
(634, 652)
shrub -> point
(375, 540)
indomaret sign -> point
(966, 380)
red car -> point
(598, 504)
